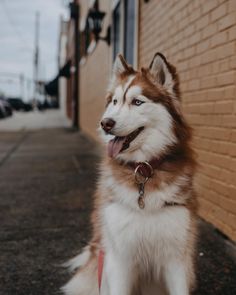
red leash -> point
(100, 267)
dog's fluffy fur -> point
(151, 250)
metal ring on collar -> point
(136, 173)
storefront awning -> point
(65, 70)
(51, 87)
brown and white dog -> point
(143, 218)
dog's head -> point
(143, 119)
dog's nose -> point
(107, 124)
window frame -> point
(122, 29)
(126, 37)
(120, 49)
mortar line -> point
(14, 148)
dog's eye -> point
(137, 102)
(115, 101)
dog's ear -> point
(120, 70)
(120, 65)
(165, 74)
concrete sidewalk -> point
(46, 183)
(47, 178)
(34, 120)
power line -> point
(14, 76)
(9, 74)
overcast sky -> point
(17, 29)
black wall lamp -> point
(95, 21)
(74, 12)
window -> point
(82, 44)
(88, 37)
(129, 32)
(116, 31)
(85, 41)
(125, 28)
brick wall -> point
(199, 37)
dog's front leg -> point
(176, 278)
(117, 275)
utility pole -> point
(36, 54)
(29, 90)
(22, 85)
(74, 6)
(77, 60)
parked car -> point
(2, 110)
(7, 106)
(18, 104)
(27, 107)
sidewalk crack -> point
(14, 148)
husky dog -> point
(144, 214)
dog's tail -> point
(79, 260)
(84, 282)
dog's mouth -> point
(121, 143)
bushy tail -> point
(84, 282)
(79, 260)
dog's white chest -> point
(135, 232)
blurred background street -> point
(34, 120)
(46, 183)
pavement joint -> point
(14, 148)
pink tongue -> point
(114, 146)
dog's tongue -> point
(115, 145)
